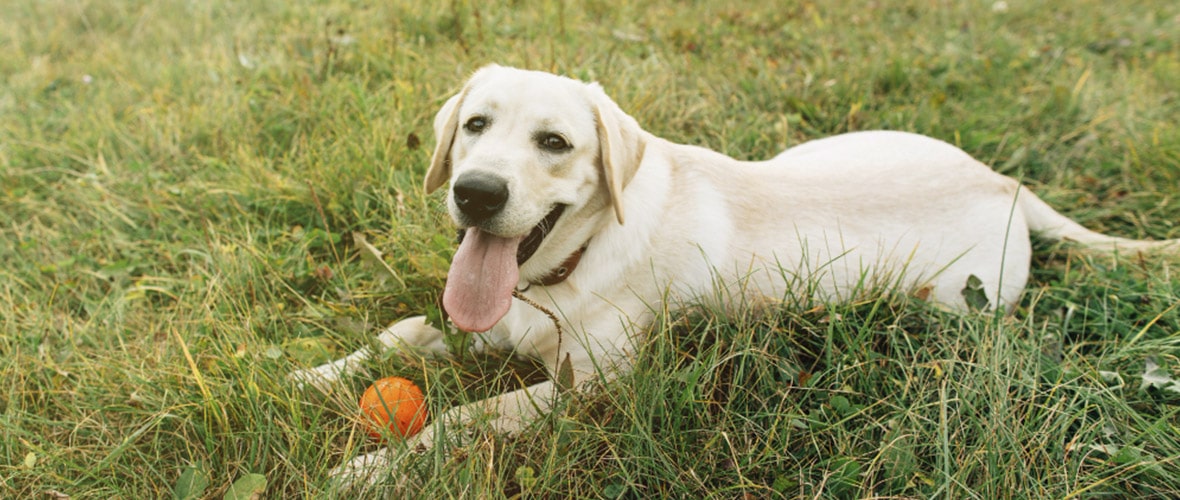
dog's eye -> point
(553, 142)
(475, 124)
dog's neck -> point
(563, 271)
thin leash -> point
(539, 307)
(565, 372)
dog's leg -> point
(408, 333)
(508, 413)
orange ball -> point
(396, 404)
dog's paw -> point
(385, 467)
(322, 377)
(364, 470)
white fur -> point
(883, 208)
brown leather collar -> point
(560, 273)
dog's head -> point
(534, 161)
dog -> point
(577, 226)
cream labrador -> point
(567, 207)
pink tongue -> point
(479, 285)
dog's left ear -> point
(620, 146)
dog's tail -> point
(1046, 222)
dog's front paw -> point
(385, 466)
(364, 470)
(322, 377)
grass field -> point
(184, 189)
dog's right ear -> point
(620, 144)
(446, 123)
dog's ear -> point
(446, 123)
(620, 146)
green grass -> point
(181, 184)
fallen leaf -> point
(371, 255)
(248, 487)
(937, 368)
(1111, 378)
(526, 476)
(1159, 377)
(565, 375)
(191, 483)
(1108, 449)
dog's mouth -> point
(529, 245)
(532, 241)
(485, 270)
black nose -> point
(480, 195)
